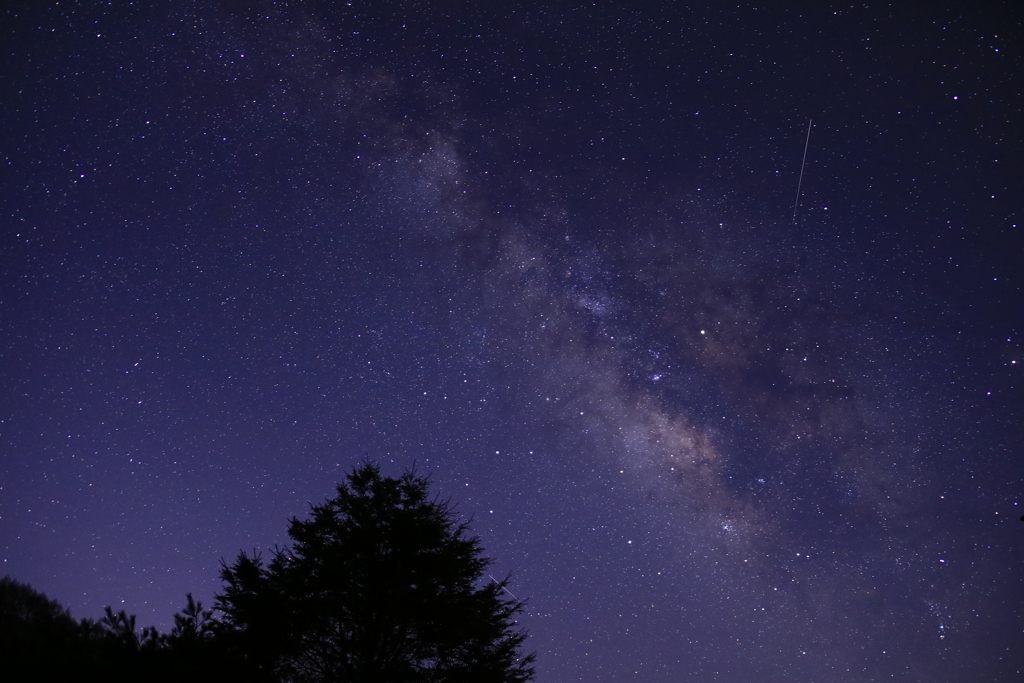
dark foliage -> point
(38, 638)
(380, 584)
(39, 641)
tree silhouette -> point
(193, 624)
(39, 639)
(380, 584)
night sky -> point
(552, 255)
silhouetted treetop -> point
(379, 584)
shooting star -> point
(803, 163)
(504, 589)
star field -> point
(545, 253)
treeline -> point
(39, 640)
(380, 584)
